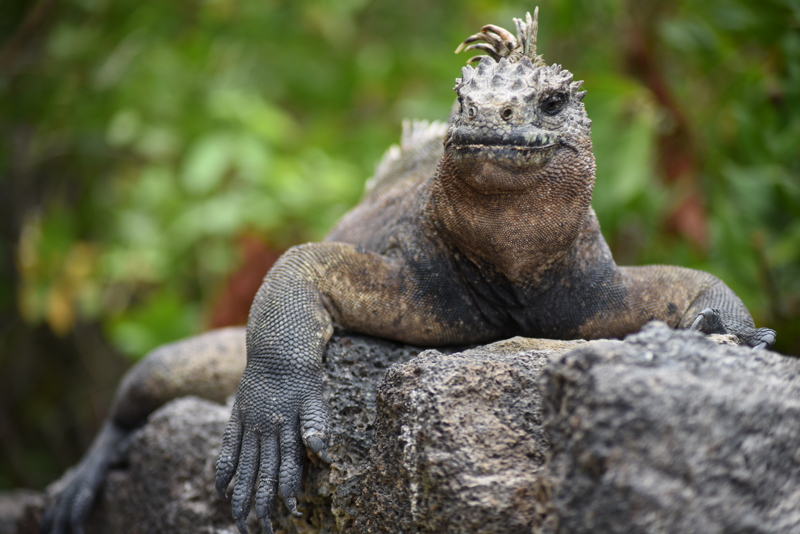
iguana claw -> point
(509, 40)
(318, 447)
(489, 49)
(709, 321)
(762, 338)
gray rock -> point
(668, 432)
(19, 511)
(354, 367)
(167, 482)
(168, 485)
(459, 444)
(664, 432)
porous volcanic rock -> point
(666, 431)
(670, 432)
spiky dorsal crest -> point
(526, 36)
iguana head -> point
(514, 112)
(514, 185)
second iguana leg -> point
(690, 299)
(208, 365)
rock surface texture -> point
(666, 431)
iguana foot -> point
(264, 446)
(709, 321)
(499, 43)
(759, 338)
(71, 508)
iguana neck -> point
(519, 221)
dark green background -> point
(141, 141)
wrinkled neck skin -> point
(518, 210)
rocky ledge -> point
(666, 431)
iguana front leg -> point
(279, 405)
(686, 298)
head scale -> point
(520, 80)
(512, 90)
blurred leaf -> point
(206, 163)
(162, 318)
(123, 128)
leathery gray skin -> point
(467, 233)
(497, 238)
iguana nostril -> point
(507, 114)
(472, 112)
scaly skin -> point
(492, 236)
(498, 239)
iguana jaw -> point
(495, 163)
(500, 169)
(496, 168)
(483, 191)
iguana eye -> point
(553, 104)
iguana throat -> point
(516, 210)
(515, 181)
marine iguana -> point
(490, 236)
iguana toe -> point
(81, 507)
(709, 321)
(503, 39)
(497, 42)
(291, 471)
(268, 483)
(315, 422)
(318, 446)
(247, 472)
(761, 338)
(73, 505)
(228, 455)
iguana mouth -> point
(522, 141)
(509, 147)
(506, 155)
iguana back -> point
(391, 195)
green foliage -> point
(160, 131)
